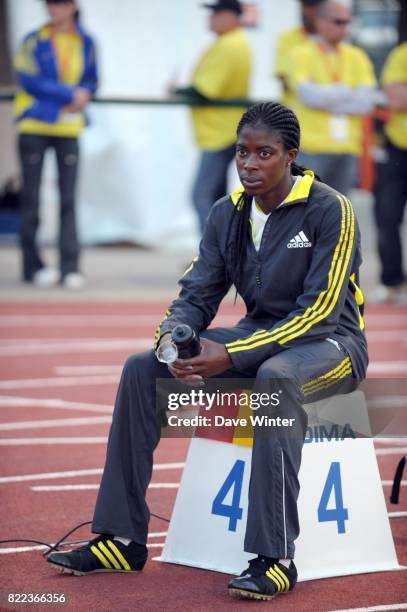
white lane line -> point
(62, 381)
(387, 335)
(95, 320)
(55, 423)
(83, 370)
(389, 483)
(374, 367)
(74, 346)
(384, 608)
(396, 450)
(43, 441)
(390, 440)
(387, 367)
(11, 401)
(93, 487)
(74, 473)
(21, 549)
(401, 514)
(124, 320)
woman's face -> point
(261, 159)
(61, 12)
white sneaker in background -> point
(46, 278)
(74, 281)
(401, 294)
(390, 295)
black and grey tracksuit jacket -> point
(301, 286)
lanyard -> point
(334, 73)
(64, 56)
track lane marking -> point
(81, 320)
(61, 381)
(51, 347)
(86, 472)
(383, 608)
(12, 401)
(74, 422)
(94, 487)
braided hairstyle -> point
(276, 118)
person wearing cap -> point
(57, 76)
(223, 72)
(290, 39)
(334, 86)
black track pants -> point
(272, 521)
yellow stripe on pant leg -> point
(328, 374)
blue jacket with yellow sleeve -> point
(301, 286)
(42, 92)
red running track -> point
(62, 361)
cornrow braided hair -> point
(275, 118)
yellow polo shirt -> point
(285, 44)
(223, 72)
(321, 131)
(69, 51)
(395, 71)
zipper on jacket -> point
(258, 277)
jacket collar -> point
(298, 195)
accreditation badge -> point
(339, 126)
(70, 117)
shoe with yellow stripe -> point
(103, 554)
(263, 579)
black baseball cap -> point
(225, 5)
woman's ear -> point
(291, 155)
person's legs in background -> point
(390, 202)
(211, 180)
(337, 171)
(67, 155)
(31, 149)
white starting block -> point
(343, 516)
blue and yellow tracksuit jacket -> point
(301, 286)
(44, 91)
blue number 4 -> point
(339, 513)
(231, 511)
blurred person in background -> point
(57, 76)
(222, 72)
(334, 87)
(391, 183)
(290, 39)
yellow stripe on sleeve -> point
(101, 557)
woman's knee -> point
(139, 363)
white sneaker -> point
(74, 281)
(46, 278)
(390, 295)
